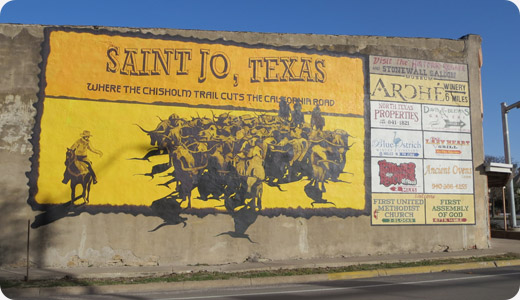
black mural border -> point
(135, 210)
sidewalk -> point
(498, 247)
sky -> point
(496, 21)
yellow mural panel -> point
(170, 124)
(122, 179)
(152, 70)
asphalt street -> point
(496, 284)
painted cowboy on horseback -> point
(80, 148)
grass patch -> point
(204, 275)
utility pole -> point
(507, 155)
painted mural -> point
(172, 127)
(167, 127)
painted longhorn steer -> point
(186, 172)
(321, 166)
(250, 167)
(255, 178)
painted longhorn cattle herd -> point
(229, 157)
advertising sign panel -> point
(448, 176)
(450, 209)
(413, 90)
(415, 68)
(397, 143)
(446, 118)
(393, 209)
(447, 145)
(395, 115)
(396, 175)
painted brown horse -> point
(77, 172)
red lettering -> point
(393, 174)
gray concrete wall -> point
(106, 239)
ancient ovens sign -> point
(421, 149)
(168, 126)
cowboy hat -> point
(85, 133)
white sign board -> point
(385, 114)
(396, 175)
(448, 176)
(446, 118)
(416, 68)
(447, 145)
(397, 143)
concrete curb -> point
(240, 282)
